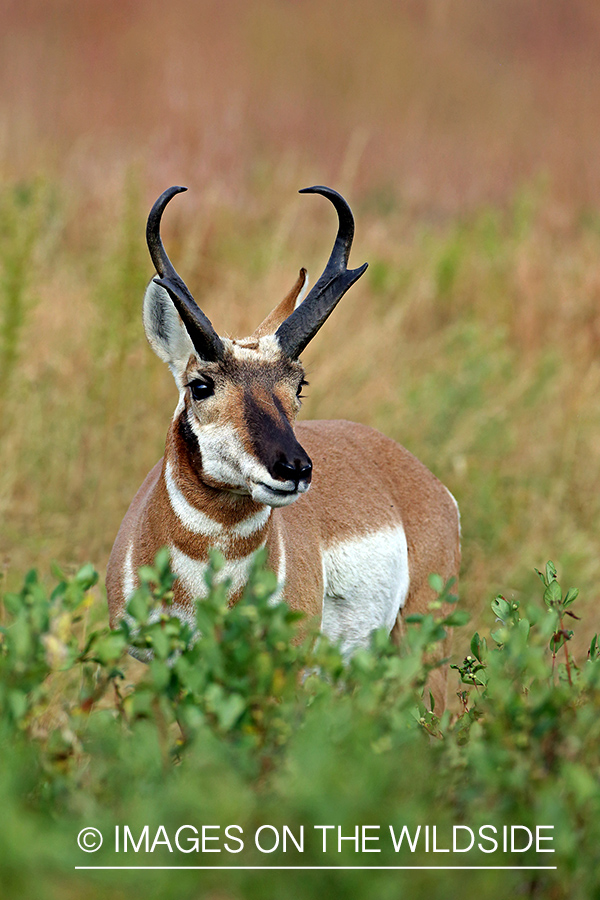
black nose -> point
(300, 470)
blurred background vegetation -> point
(465, 136)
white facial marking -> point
(268, 348)
(197, 522)
(225, 460)
(223, 455)
(366, 583)
(281, 494)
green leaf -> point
(550, 571)
(499, 635)
(109, 647)
(436, 582)
(162, 562)
(229, 710)
(139, 606)
(17, 702)
(148, 574)
(556, 641)
(161, 674)
(478, 647)
(217, 560)
(572, 595)
(86, 577)
(553, 594)
(160, 641)
(457, 618)
(501, 608)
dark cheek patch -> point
(188, 441)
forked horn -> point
(302, 325)
(205, 339)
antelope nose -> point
(304, 473)
(300, 471)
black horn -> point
(205, 339)
(302, 325)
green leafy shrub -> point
(245, 722)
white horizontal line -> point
(313, 868)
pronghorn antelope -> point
(357, 549)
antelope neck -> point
(201, 507)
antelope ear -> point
(165, 330)
(285, 308)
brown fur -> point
(233, 440)
(381, 481)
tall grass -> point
(473, 342)
(465, 137)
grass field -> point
(465, 136)
(477, 348)
(468, 155)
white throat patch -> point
(197, 522)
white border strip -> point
(315, 868)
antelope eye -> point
(303, 383)
(200, 390)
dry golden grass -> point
(465, 136)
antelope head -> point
(238, 399)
